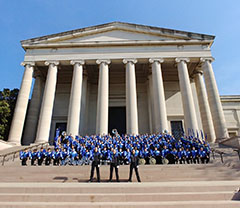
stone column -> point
(102, 101)
(75, 98)
(21, 105)
(214, 99)
(45, 118)
(131, 97)
(83, 114)
(33, 112)
(159, 96)
(206, 116)
(190, 118)
(150, 103)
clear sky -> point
(24, 19)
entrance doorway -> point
(61, 126)
(117, 119)
(177, 129)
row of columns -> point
(209, 101)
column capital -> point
(30, 63)
(180, 59)
(207, 59)
(198, 71)
(106, 61)
(159, 60)
(47, 63)
(80, 62)
(134, 61)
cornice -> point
(115, 43)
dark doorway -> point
(177, 129)
(117, 119)
(61, 126)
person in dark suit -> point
(134, 161)
(95, 164)
(114, 163)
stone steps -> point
(164, 186)
(148, 173)
(154, 194)
(171, 204)
(117, 197)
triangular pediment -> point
(117, 35)
(115, 32)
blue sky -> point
(24, 19)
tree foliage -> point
(7, 104)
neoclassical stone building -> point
(135, 78)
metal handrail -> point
(3, 156)
(218, 152)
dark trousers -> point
(111, 172)
(40, 161)
(196, 160)
(33, 160)
(24, 161)
(56, 161)
(136, 171)
(48, 161)
(92, 172)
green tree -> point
(7, 104)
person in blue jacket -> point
(48, 157)
(127, 156)
(74, 158)
(64, 157)
(23, 157)
(195, 155)
(33, 156)
(203, 155)
(41, 156)
(56, 157)
(188, 156)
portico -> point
(160, 76)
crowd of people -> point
(161, 148)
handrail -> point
(23, 149)
(238, 152)
(218, 152)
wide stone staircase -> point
(197, 185)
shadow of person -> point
(62, 178)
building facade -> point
(135, 78)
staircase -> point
(170, 186)
(148, 194)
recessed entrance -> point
(61, 126)
(177, 129)
(117, 119)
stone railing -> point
(12, 154)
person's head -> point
(133, 151)
(114, 151)
(35, 150)
(95, 149)
(155, 148)
(49, 150)
(41, 149)
(193, 148)
(165, 147)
